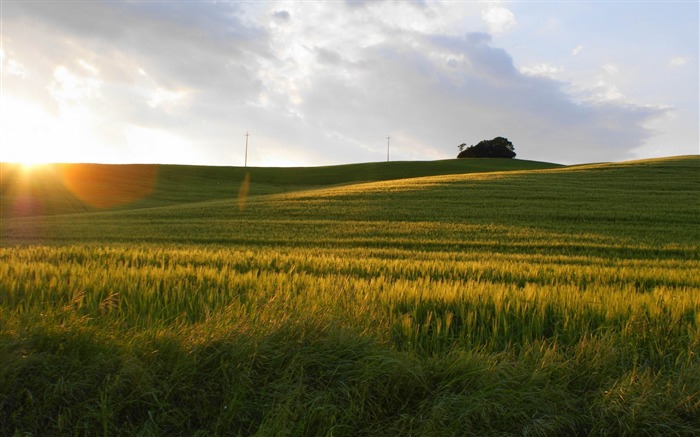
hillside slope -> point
(73, 188)
(651, 205)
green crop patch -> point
(405, 299)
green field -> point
(48, 191)
(459, 297)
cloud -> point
(326, 56)
(14, 68)
(610, 69)
(324, 88)
(282, 15)
(604, 92)
(678, 61)
(183, 42)
(544, 70)
(576, 50)
(498, 19)
(479, 95)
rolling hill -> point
(73, 188)
(207, 205)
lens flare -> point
(23, 189)
(107, 186)
(243, 192)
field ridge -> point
(77, 188)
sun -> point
(31, 167)
(31, 135)
(28, 133)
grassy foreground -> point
(538, 302)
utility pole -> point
(246, 150)
(388, 138)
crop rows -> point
(359, 310)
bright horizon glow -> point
(35, 136)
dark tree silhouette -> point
(498, 147)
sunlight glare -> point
(32, 135)
(156, 145)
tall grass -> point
(454, 305)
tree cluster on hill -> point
(498, 147)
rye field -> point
(460, 297)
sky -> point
(335, 82)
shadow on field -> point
(308, 379)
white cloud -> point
(12, 66)
(678, 61)
(605, 92)
(576, 50)
(88, 67)
(544, 70)
(163, 98)
(69, 87)
(610, 69)
(15, 68)
(498, 19)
